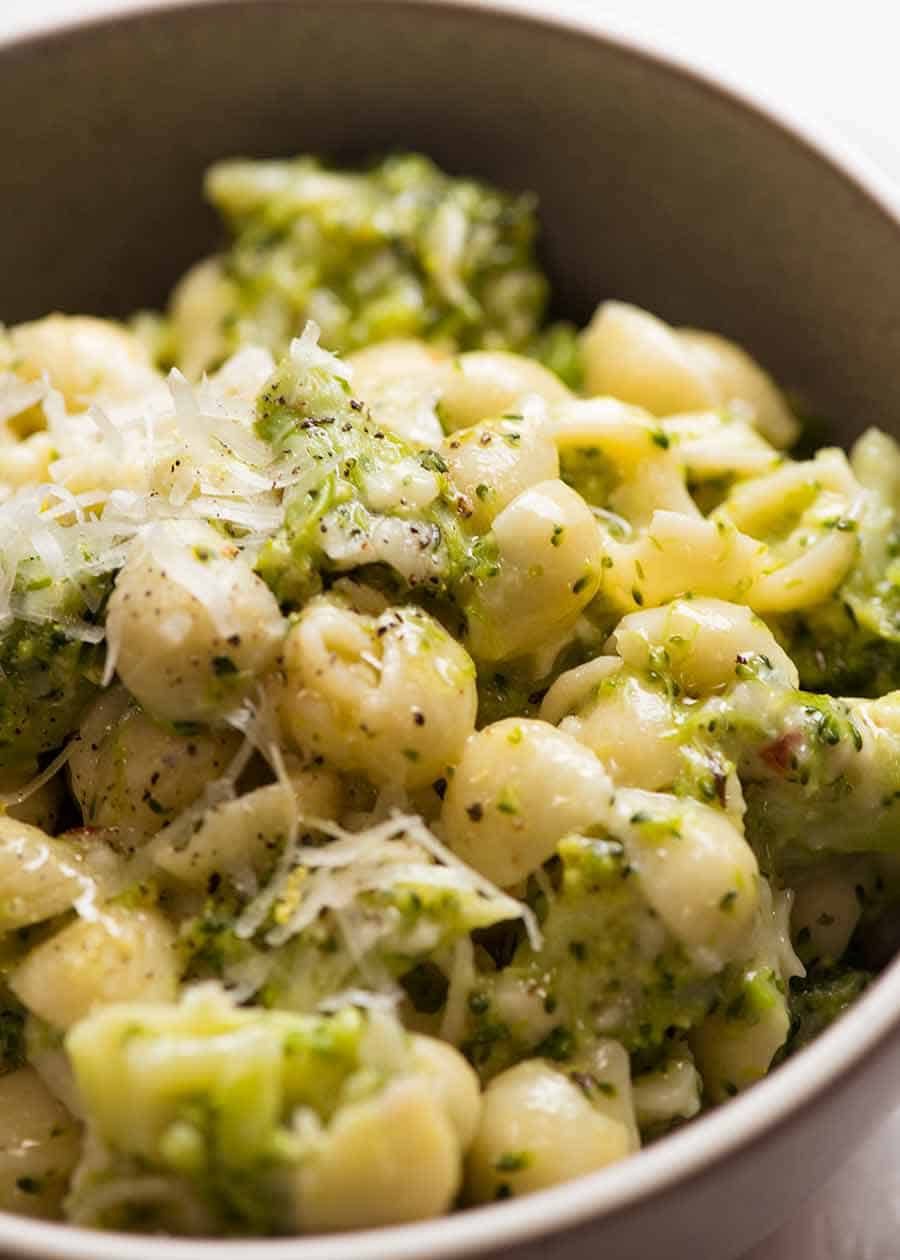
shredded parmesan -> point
(400, 852)
(122, 472)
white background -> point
(836, 63)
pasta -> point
(441, 752)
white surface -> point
(835, 62)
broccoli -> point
(204, 1092)
(818, 999)
(850, 644)
(369, 499)
(607, 966)
(47, 677)
(402, 250)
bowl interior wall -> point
(654, 187)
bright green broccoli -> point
(402, 250)
(205, 1092)
(367, 500)
(205, 1117)
(607, 967)
(386, 914)
(47, 677)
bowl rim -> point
(843, 1050)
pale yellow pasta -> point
(116, 955)
(400, 382)
(393, 1158)
(875, 463)
(733, 1053)
(40, 1144)
(630, 727)
(520, 786)
(716, 444)
(576, 687)
(495, 460)
(670, 1092)
(734, 1047)
(697, 871)
(737, 379)
(391, 696)
(807, 514)
(629, 353)
(246, 834)
(486, 383)
(88, 360)
(826, 909)
(645, 474)
(548, 571)
(41, 876)
(808, 580)
(635, 356)
(454, 1081)
(680, 555)
(128, 771)
(538, 1129)
(608, 1081)
(25, 462)
(701, 642)
(200, 305)
(191, 623)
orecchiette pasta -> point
(193, 624)
(671, 1092)
(698, 872)
(632, 355)
(39, 1146)
(488, 383)
(636, 357)
(245, 834)
(519, 787)
(200, 305)
(808, 515)
(392, 696)
(395, 1158)
(402, 382)
(87, 360)
(622, 456)
(630, 727)
(679, 555)
(548, 570)
(701, 642)
(539, 1128)
(735, 1049)
(115, 955)
(42, 876)
(128, 771)
(495, 460)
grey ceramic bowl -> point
(658, 186)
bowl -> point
(658, 186)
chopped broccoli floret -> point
(817, 999)
(47, 677)
(370, 500)
(402, 250)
